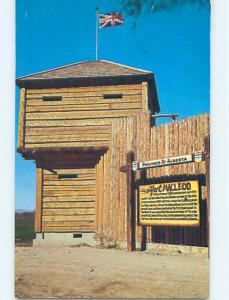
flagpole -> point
(97, 33)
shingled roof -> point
(86, 69)
(86, 73)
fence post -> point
(207, 163)
(131, 206)
(144, 233)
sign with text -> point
(163, 162)
(169, 203)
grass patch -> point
(113, 246)
(24, 227)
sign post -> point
(207, 153)
(131, 206)
(144, 234)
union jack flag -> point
(111, 19)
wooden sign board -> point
(168, 161)
(170, 203)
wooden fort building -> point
(66, 120)
(77, 122)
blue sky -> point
(173, 44)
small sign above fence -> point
(168, 161)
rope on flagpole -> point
(97, 34)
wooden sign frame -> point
(170, 179)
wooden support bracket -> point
(123, 169)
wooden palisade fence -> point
(148, 143)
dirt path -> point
(87, 272)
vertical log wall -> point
(134, 133)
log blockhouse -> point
(68, 124)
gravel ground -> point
(86, 272)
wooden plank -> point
(81, 162)
(177, 134)
(66, 156)
(85, 89)
(63, 138)
(69, 188)
(82, 172)
(93, 93)
(117, 182)
(66, 189)
(66, 204)
(73, 169)
(68, 130)
(90, 114)
(68, 123)
(69, 223)
(39, 195)
(86, 94)
(96, 198)
(68, 229)
(104, 194)
(73, 99)
(131, 245)
(68, 144)
(145, 105)
(101, 200)
(68, 193)
(108, 193)
(90, 183)
(68, 211)
(78, 107)
(114, 182)
(82, 178)
(105, 197)
(69, 218)
(21, 128)
(74, 198)
(207, 160)
(122, 182)
(147, 125)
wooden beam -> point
(173, 116)
(144, 231)
(21, 128)
(131, 214)
(39, 153)
(39, 195)
(96, 198)
(145, 106)
(207, 164)
(101, 194)
(92, 89)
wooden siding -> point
(82, 118)
(68, 204)
(39, 196)
(21, 125)
(135, 133)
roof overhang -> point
(80, 81)
(43, 153)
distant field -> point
(24, 227)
